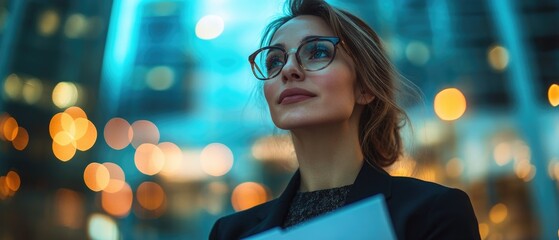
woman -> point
(328, 81)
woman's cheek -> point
(269, 93)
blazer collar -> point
(278, 209)
(370, 181)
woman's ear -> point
(363, 97)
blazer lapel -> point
(370, 181)
(278, 209)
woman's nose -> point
(291, 70)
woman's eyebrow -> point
(302, 40)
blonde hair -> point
(381, 120)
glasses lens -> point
(317, 54)
(268, 62)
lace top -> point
(307, 205)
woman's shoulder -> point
(421, 208)
(418, 187)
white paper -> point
(366, 219)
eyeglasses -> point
(312, 55)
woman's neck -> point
(328, 156)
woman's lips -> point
(293, 95)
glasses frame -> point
(255, 68)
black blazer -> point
(418, 209)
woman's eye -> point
(273, 62)
(318, 51)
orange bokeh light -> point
(119, 203)
(117, 178)
(143, 131)
(70, 131)
(247, 195)
(21, 140)
(450, 104)
(150, 195)
(96, 176)
(63, 152)
(117, 132)
(88, 140)
(149, 159)
(13, 181)
(173, 157)
(553, 95)
(76, 112)
(10, 128)
(3, 118)
(55, 125)
(216, 159)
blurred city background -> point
(140, 119)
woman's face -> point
(314, 98)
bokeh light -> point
(76, 112)
(450, 104)
(64, 94)
(498, 213)
(524, 170)
(12, 86)
(247, 195)
(3, 118)
(13, 181)
(417, 53)
(502, 153)
(553, 95)
(173, 157)
(102, 227)
(32, 90)
(55, 125)
(48, 22)
(75, 26)
(63, 152)
(117, 179)
(70, 131)
(96, 176)
(119, 203)
(143, 131)
(21, 140)
(87, 141)
(209, 27)
(69, 208)
(10, 128)
(186, 169)
(116, 133)
(216, 159)
(150, 195)
(149, 159)
(160, 78)
(498, 57)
